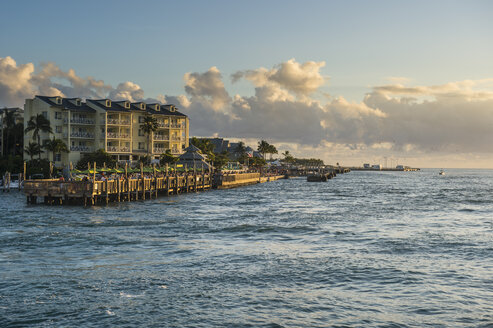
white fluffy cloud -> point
(452, 120)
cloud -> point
(207, 88)
(450, 120)
(127, 91)
(15, 85)
(302, 79)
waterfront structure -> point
(114, 126)
(193, 158)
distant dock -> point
(406, 169)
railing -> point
(176, 125)
(117, 149)
(76, 120)
(163, 125)
(114, 135)
(159, 150)
(161, 137)
(113, 121)
(175, 138)
(80, 148)
(175, 151)
(82, 135)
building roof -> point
(116, 106)
(67, 104)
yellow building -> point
(110, 125)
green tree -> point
(205, 146)
(38, 124)
(167, 158)
(9, 125)
(99, 156)
(288, 158)
(263, 147)
(272, 150)
(240, 152)
(33, 149)
(220, 160)
(56, 146)
(149, 126)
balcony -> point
(159, 150)
(175, 151)
(82, 135)
(77, 120)
(161, 137)
(176, 126)
(175, 138)
(81, 149)
(114, 149)
(163, 125)
(115, 121)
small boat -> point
(441, 172)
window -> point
(58, 129)
(142, 106)
(108, 103)
(58, 157)
(127, 104)
(58, 100)
(45, 114)
(141, 133)
(141, 145)
(58, 115)
(141, 119)
(77, 102)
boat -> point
(441, 172)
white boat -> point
(441, 172)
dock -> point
(56, 192)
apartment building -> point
(110, 125)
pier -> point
(56, 192)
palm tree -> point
(9, 123)
(38, 124)
(263, 147)
(272, 150)
(56, 146)
(149, 126)
(33, 149)
(240, 151)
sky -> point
(350, 81)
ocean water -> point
(366, 249)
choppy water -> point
(365, 249)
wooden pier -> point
(55, 192)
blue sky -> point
(361, 79)
(153, 43)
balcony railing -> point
(175, 151)
(159, 150)
(161, 137)
(163, 125)
(80, 148)
(176, 125)
(76, 120)
(175, 138)
(117, 149)
(82, 135)
(115, 121)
